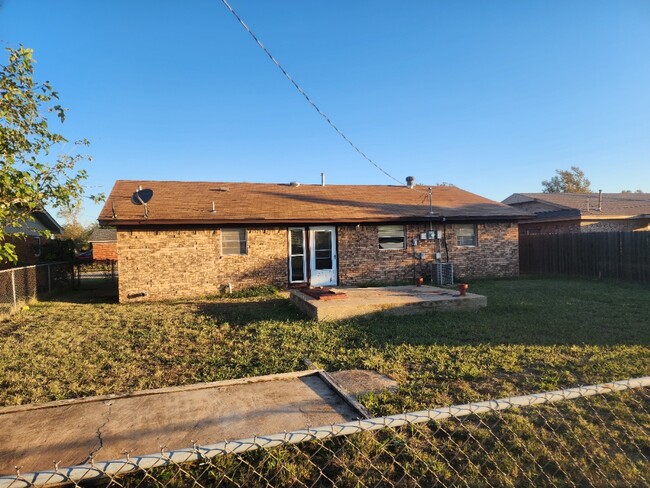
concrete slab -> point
(396, 300)
(33, 436)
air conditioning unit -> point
(442, 273)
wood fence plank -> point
(613, 255)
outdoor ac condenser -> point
(442, 273)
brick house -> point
(104, 244)
(28, 248)
(557, 213)
(199, 238)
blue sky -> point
(490, 96)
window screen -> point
(391, 237)
(466, 234)
(233, 241)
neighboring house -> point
(104, 244)
(29, 247)
(199, 238)
(582, 212)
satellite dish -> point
(141, 197)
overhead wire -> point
(304, 94)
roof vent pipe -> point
(322, 179)
(410, 181)
(600, 200)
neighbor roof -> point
(176, 202)
(48, 221)
(103, 235)
(587, 204)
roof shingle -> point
(613, 204)
(176, 202)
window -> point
(466, 234)
(297, 255)
(391, 237)
(233, 242)
(323, 249)
(37, 246)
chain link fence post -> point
(13, 288)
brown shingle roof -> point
(613, 204)
(176, 202)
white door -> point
(322, 260)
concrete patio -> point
(396, 300)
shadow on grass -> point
(521, 311)
(94, 290)
(248, 311)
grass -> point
(535, 334)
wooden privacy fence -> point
(617, 255)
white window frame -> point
(461, 235)
(303, 255)
(245, 241)
(392, 246)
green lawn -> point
(535, 334)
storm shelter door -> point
(322, 260)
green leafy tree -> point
(35, 169)
(567, 181)
(630, 191)
(73, 229)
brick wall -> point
(165, 264)
(361, 260)
(26, 249)
(614, 225)
(105, 251)
(549, 228)
(576, 226)
(496, 255)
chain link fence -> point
(589, 436)
(96, 270)
(20, 285)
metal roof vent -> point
(294, 183)
(410, 181)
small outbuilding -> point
(104, 244)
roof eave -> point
(44, 217)
(256, 221)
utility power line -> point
(304, 94)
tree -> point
(567, 181)
(73, 229)
(630, 191)
(33, 176)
